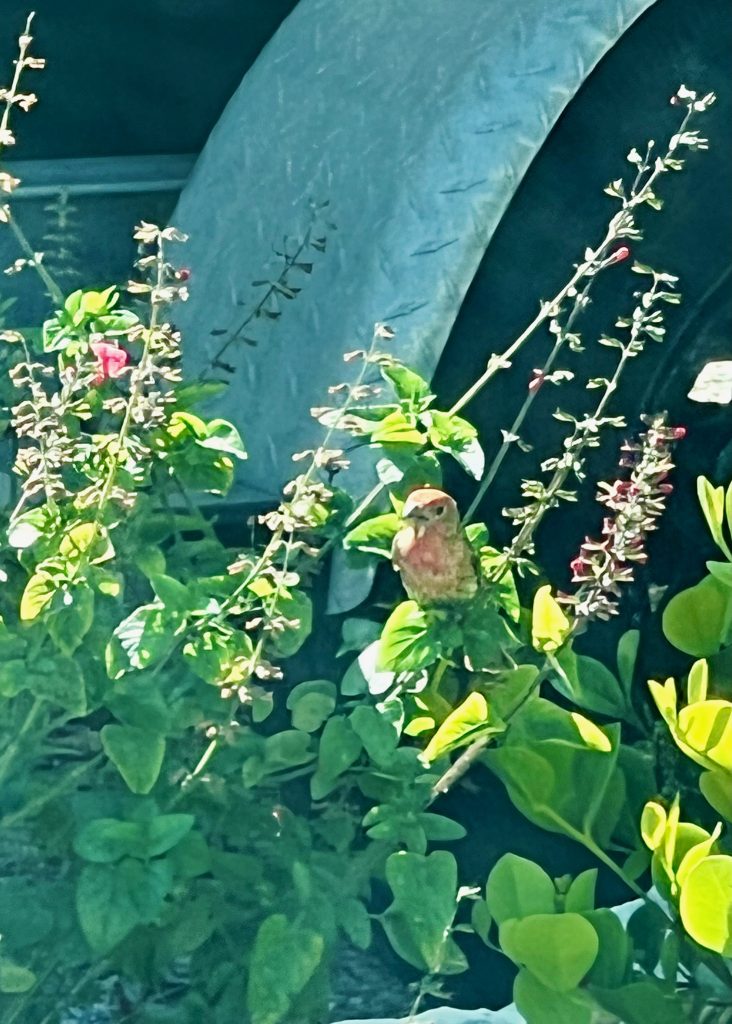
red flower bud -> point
(183, 274)
(620, 254)
(679, 433)
(111, 360)
(665, 488)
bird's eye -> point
(440, 510)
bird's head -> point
(429, 507)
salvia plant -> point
(195, 817)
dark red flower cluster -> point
(635, 505)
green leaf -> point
(284, 958)
(706, 904)
(357, 633)
(287, 749)
(397, 429)
(112, 899)
(419, 919)
(136, 753)
(142, 639)
(504, 588)
(716, 786)
(339, 748)
(15, 979)
(107, 840)
(374, 536)
(297, 608)
(712, 501)
(58, 680)
(581, 893)
(72, 621)
(439, 829)
(311, 703)
(590, 685)
(615, 957)
(699, 620)
(627, 657)
(558, 949)
(644, 1002)
(355, 921)
(463, 725)
(408, 385)
(721, 571)
(222, 436)
(517, 888)
(557, 779)
(539, 1004)
(481, 920)
(509, 689)
(407, 642)
(550, 627)
(172, 594)
(487, 637)
(378, 731)
(458, 438)
(165, 831)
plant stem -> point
(579, 303)
(278, 534)
(548, 309)
(54, 290)
(575, 445)
(13, 749)
(68, 782)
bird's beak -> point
(412, 510)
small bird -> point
(431, 552)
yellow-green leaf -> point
(706, 728)
(461, 726)
(550, 627)
(697, 684)
(706, 904)
(38, 592)
(86, 538)
(592, 734)
(664, 694)
(653, 824)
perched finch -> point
(431, 552)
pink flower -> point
(111, 360)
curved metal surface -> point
(416, 119)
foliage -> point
(205, 819)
